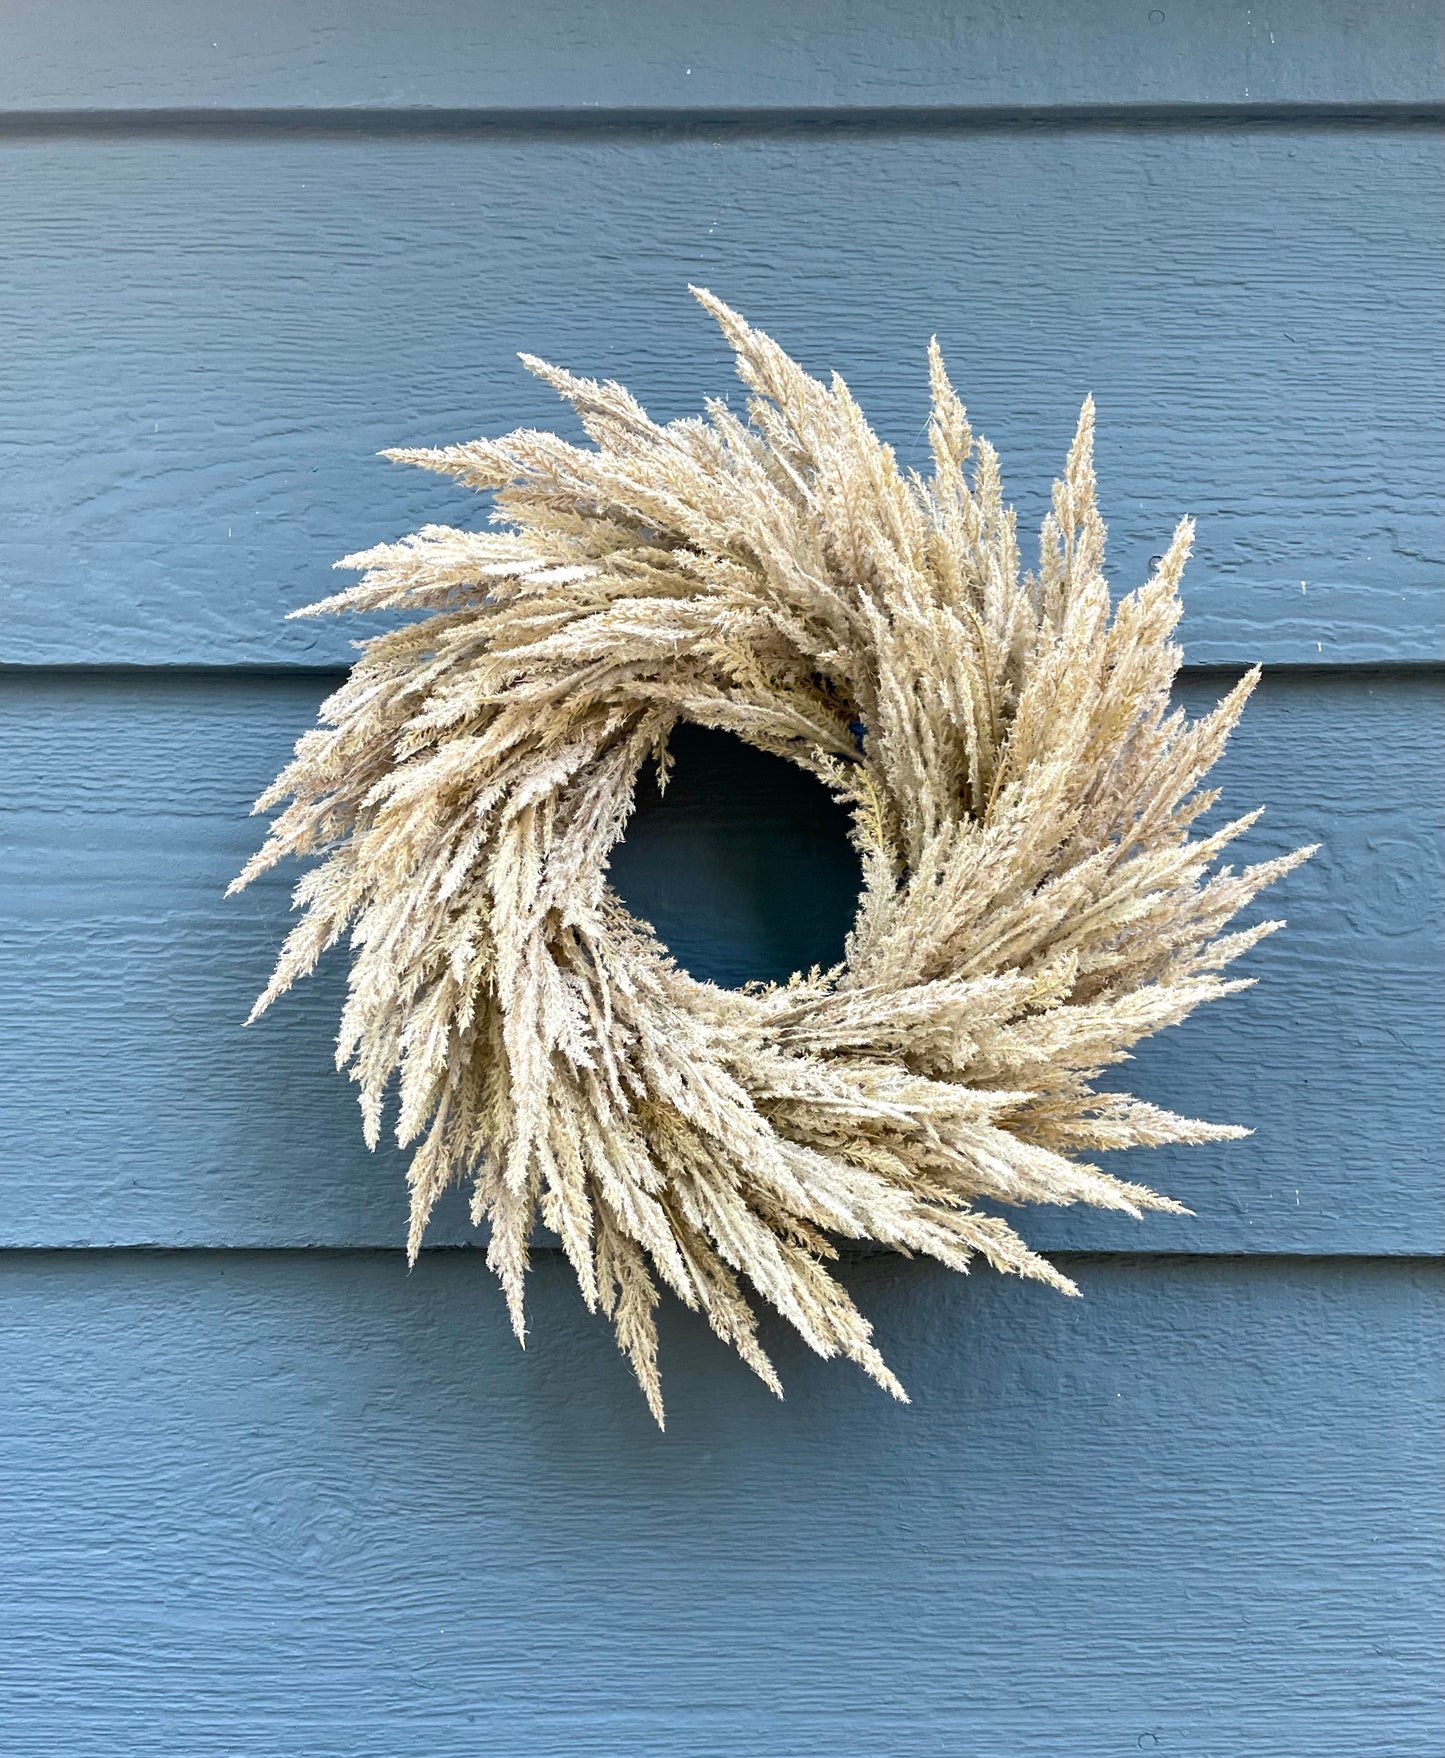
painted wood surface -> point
(136, 1110)
(310, 1505)
(79, 55)
(208, 338)
(257, 1503)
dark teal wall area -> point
(741, 863)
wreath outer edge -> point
(1023, 797)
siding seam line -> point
(244, 672)
(740, 120)
(478, 1250)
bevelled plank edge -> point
(733, 119)
(849, 1250)
(247, 672)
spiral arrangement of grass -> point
(1022, 797)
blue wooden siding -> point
(212, 334)
(262, 1492)
(128, 802)
(83, 58)
(301, 1504)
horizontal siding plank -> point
(78, 55)
(209, 338)
(135, 1109)
(313, 1505)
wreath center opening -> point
(742, 864)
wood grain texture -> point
(301, 1504)
(79, 55)
(135, 1109)
(265, 1506)
(207, 340)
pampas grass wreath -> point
(1022, 798)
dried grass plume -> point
(1022, 797)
